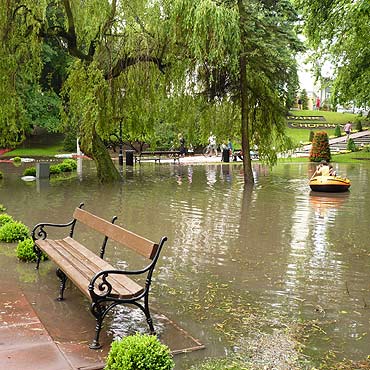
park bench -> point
(104, 285)
(157, 155)
(237, 153)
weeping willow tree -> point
(20, 65)
(243, 52)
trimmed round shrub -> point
(71, 162)
(139, 352)
(358, 125)
(337, 132)
(65, 167)
(55, 169)
(14, 232)
(4, 218)
(351, 145)
(26, 253)
(29, 171)
(320, 149)
(17, 159)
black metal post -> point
(120, 155)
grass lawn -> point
(303, 134)
(36, 152)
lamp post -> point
(120, 155)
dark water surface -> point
(233, 253)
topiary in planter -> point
(4, 218)
(139, 352)
(13, 232)
(26, 253)
(320, 149)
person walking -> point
(347, 129)
(212, 144)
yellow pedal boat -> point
(330, 184)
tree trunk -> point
(106, 170)
(247, 164)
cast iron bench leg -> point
(148, 316)
(63, 278)
(98, 313)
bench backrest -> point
(137, 243)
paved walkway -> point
(24, 341)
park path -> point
(24, 341)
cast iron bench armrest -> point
(42, 234)
(97, 279)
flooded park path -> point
(240, 263)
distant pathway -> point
(340, 140)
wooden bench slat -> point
(98, 264)
(79, 268)
(141, 245)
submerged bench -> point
(157, 155)
(104, 285)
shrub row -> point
(68, 165)
(15, 231)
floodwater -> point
(233, 256)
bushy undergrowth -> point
(4, 218)
(26, 253)
(139, 352)
(13, 231)
(29, 171)
(68, 165)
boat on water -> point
(329, 184)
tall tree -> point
(243, 52)
(20, 65)
(338, 32)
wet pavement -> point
(24, 341)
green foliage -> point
(71, 162)
(2, 209)
(139, 352)
(337, 131)
(65, 167)
(320, 149)
(26, 253)
(17, 159)
(351, 145)
(312, 134)
(303, 97)
(29, 171)
(366, 149)
(339, 33)
(55, 169)
(1, 175)
(13, 231)
(4, 218)
(358, 124)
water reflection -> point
(276, 244)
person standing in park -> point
(347, 129)
(182, 145)
(212, 144)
